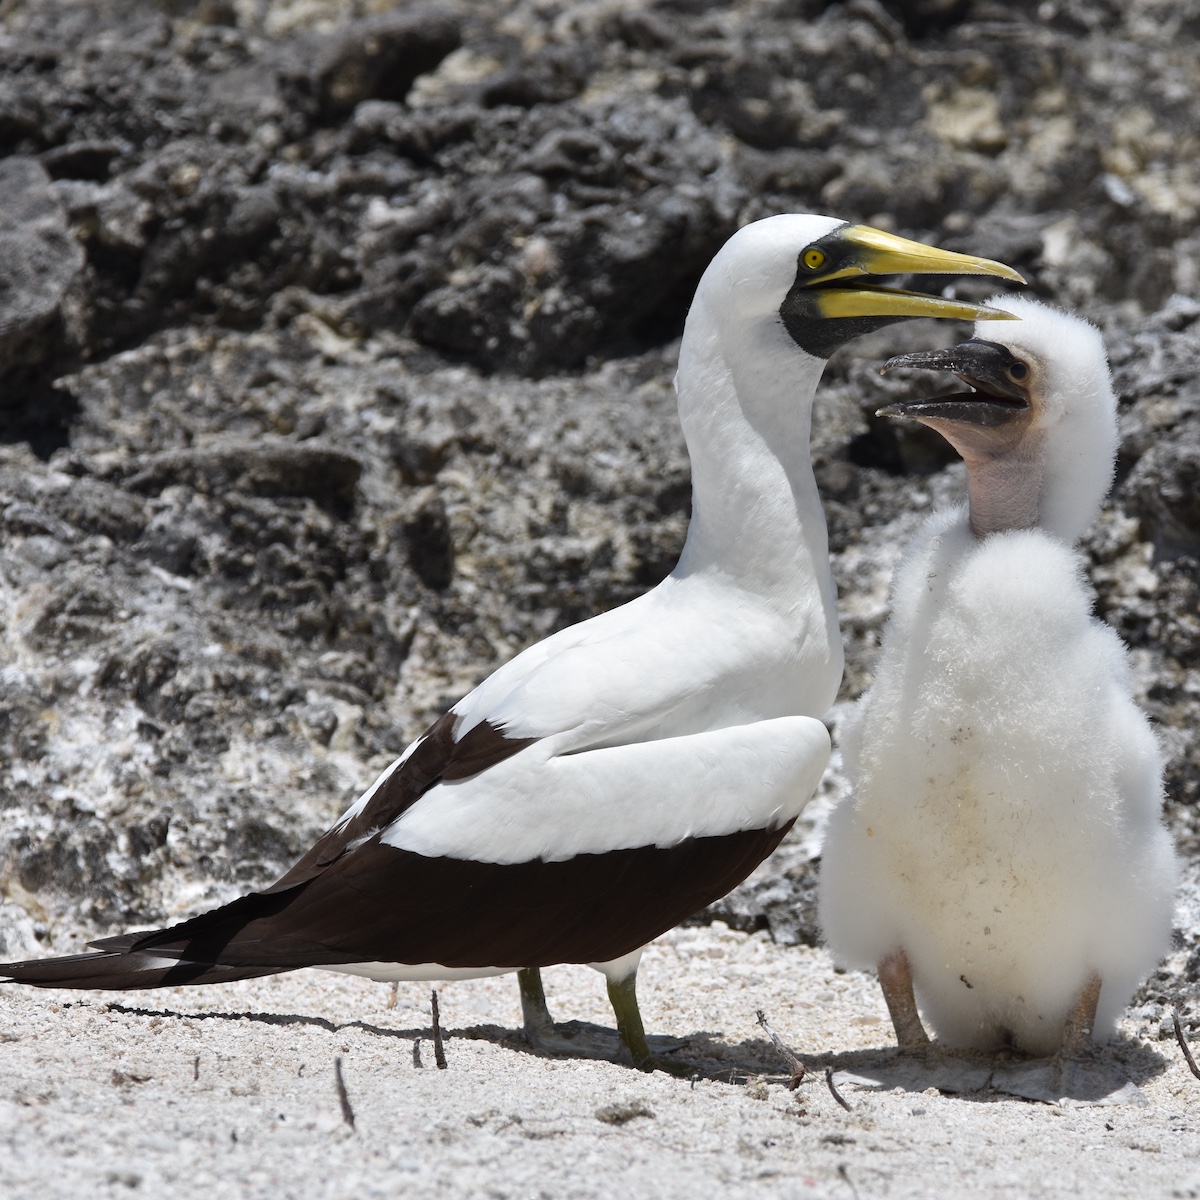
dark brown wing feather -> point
(383, 904)
(437, 757)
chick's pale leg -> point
(895, 977)
(1081, 1020)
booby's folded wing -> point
(543, 805)
(616, 846)
(651, 669)
(617, 679)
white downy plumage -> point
(1005, 830)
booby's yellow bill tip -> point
(886, 253)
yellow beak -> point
(880, 253)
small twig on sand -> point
(837, 1095)
(343, 1098)
(798, 1069)
(844, 1172)
(417, 1053)
(439, 1054)
(196, 1068)
(1187, 1054)
(395, 994)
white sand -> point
(100, 1099)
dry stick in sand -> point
(1187, 1054)
(845, 1174)
(836, 1094)
(417, 1053)
(799, 1070)
(439, 1054)
(343, 1098)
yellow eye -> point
(1018, 372)
(814, 259)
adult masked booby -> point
(1003, 850)
(615, 778)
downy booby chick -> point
(1003, 849)
(620, 775)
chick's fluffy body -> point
(1006, 830)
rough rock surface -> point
(336, 345)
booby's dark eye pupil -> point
(1018, 372)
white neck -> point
(746, 395)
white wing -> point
(540, 804)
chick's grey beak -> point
(985, 366)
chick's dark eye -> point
(1018, 372)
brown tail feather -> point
(122, 972)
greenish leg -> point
(623, 997)
(547, 1038)
(539, 1025)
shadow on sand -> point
(1110, 1075)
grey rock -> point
(39, 262)
(265, 468)
(1164, 493)
(379, 58)
(81, 160)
